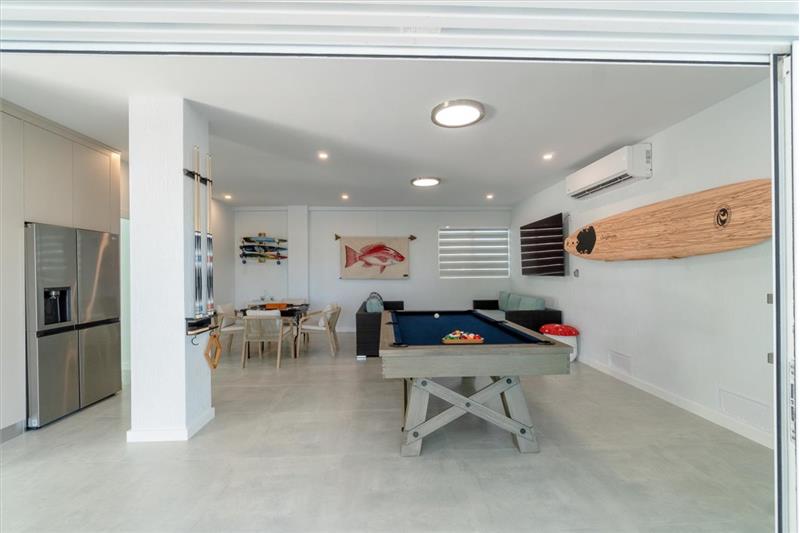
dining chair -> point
(229, 324)
(264, 327)
(322, 321)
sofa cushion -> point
(493, 314)
(530, 303)
(513, 302)
(502, 301)
(374, 304)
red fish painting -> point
(373, 255)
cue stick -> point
(209, 241)
(198, 253)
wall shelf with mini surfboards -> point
(707, 222)
(262, 248)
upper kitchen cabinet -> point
(68, 179)
(47, 164)
(91, 177)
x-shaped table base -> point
(517, 420)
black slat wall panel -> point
(542, 247)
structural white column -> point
(170, 381)
(297, 221)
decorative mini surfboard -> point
(707, 222)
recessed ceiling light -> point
(322, 155)
(548, 156)
(489, 196)
(426, 182)
(227, 196)
(345, 196)
(457, 113)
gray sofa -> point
(527, 311)
(368, 327)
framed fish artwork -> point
(373, 257)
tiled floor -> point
(315, 447)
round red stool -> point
(563, 333)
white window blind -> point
(473, 253)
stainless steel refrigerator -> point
(72, 307)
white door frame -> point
(689, 32)
(784, 253)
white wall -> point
(225, 250)
(297, 278)
(255, 280)
(694, 331)
(423, 289)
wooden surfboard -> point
(707, 222)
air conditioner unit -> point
(627, 164)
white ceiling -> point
(270, 115)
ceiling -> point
(269, 116)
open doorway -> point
(664, 421)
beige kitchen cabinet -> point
(12, 252)
(68, 179)
(91, 177)
(114, 195)
(47, 168)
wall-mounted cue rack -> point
(203, 310)
(542, 247)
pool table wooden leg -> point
(416, 411)
(405, 400)
(517, 408)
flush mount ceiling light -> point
(322, 155)
(457, 113)
(490, 196)
(345, 196)
(227, 196)
(426, 182)
(548, 156)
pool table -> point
(412, 349)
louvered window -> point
(473, 253)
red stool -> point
(563, 333)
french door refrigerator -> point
(72, 306)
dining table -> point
(291, 313)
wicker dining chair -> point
(229, 324)
(264, 327)
(322, 321)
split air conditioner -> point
(627, 164)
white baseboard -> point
(171, 434)
(756, 435)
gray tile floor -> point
(315, 447)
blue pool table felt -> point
(420, 328)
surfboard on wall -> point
(707, 222)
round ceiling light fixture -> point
(426, 181)
(228, 197)
(345, 196)
(457, 113)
